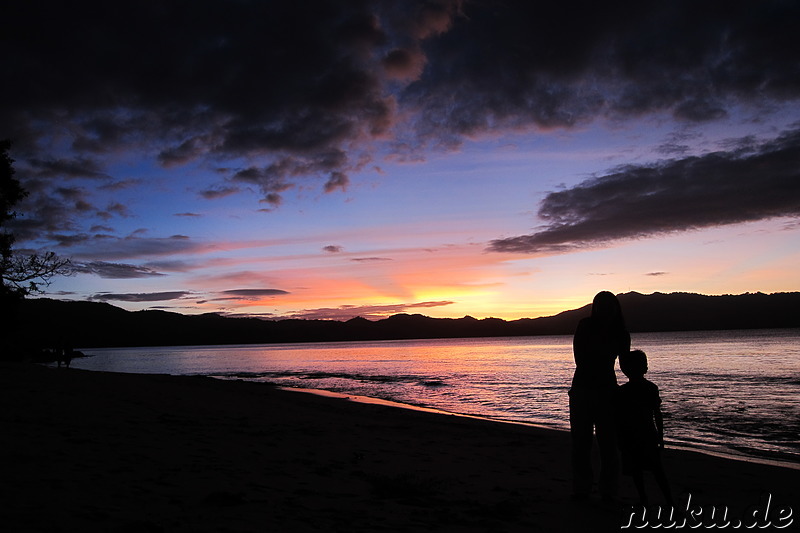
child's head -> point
(633, 364)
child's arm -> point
(659, 425)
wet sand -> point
(93, 451)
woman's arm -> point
(580, 342)
(625, 342)
(659, 418)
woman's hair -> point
(606, 308)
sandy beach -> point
(92, 451)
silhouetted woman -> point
(599, 339)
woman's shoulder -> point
(583, 325)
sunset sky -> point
(335, 159)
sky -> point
(326, 159)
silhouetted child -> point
(641, 426)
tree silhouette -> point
(21, 274)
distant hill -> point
(45, 322)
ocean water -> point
(724, 391)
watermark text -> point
(764, 514)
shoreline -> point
(757, 457)
(721, 452)
(97, 451)
(708, 449)
(752, 429)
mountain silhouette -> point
(45, 323)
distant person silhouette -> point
(641, 425)
(64, 355)
(598, 340)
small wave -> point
(777, 380)
(424, 381)
(713, 378)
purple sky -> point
(334, 159)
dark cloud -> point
(370, 259)
(114, 270)
(51, 208)
(171, 265)
(141, 296)
(255, 79)
(119, 185)
(332, 249)
(558, 64)
(219, 192)
(740, 145)
(699, 110)
(188, 215)
(298, 89)
(118, 209)
(255, 292)
(347, 312)
(77, 167)
(43, 213)
(183, 153)
(302, 78)
(74, 196)
(278, 176)
(98, 227)
(336, 180)
(404, 64)
(73, 239)
(271, 182)
(83, 207)
(101, 247)
(696, 192)
(70, 193)
(656, 274)
(678, 143)
(262, 316)
(249, 294)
